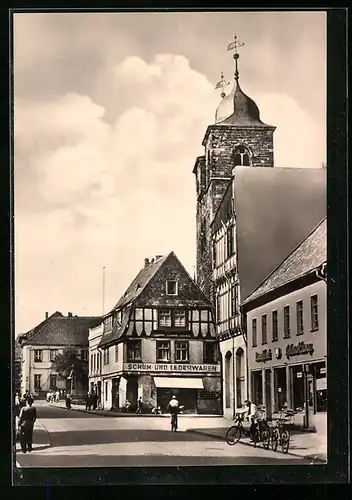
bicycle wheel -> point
(285, 440)
(274, 439)
(233, 435)
(266, 438)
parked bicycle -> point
(261, 434)
(280, 435)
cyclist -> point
(173, 408)
(252, 415)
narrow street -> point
(77, 439)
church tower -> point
(238, 137)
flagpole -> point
(103, 293)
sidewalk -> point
(303, 444)
(41, 437)
(114, 413)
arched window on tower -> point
(241, 156)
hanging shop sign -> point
(300, 348)
(262, 357)
(170, 367)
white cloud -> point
(114, 193)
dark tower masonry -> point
(238, 137)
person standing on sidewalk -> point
(95, 400)
(27, 418)
(139, 405)
(88, 401)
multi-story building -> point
(286, 327)
(95, 360)
(160, 340)
(41, 345)
(250, 215)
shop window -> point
(37, 382)
(264, 329)
(171, 287)
(210, 352)
(134, 352)
(257, 388)
(297, 381)
(53, 354)
(52, 382)
(314, 312)
(163, 351)
(38, 356)
(319, 373)
(254, 332)
(280, 388)
(181, 351)
(275, 326)
(299, 314)
(287, 326)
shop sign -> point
(262, 357)
(322, 371)
(300, 348)
(299, 374)
(321, 384)
(160, 367)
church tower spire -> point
(237, 138)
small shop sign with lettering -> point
(300, 348)
(262, 357)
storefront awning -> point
(178, 383)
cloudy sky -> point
(110, 112)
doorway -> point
(257, 387)
(132, 391)
(268, 408)
(115, 392)
(280, 387)
(228, 379)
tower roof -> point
(236, 108)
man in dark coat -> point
(28, 416)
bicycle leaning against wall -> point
(280, 435)
(261, 434)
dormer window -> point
(108, 324)
(171, 287)
(241, 156)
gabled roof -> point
(142, 293)
(61, 330)
(140, 282)
(275, 209)
(304, 259)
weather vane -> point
(221, 84)
(233, 46)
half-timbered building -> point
(160, 340)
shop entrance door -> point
(115, 393)
(132, 391)
(309, 400)
(268, 393)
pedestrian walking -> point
(95, 400)
(88, 401)
(27, 418)
(57, 396)
(139, 405)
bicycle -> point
(280, 435)
(236, 431)
(174, 419)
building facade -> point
(249, 218)
(42, 344)
(95, 361)
(160, 340)
(287, 341)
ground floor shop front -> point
(198, 394)
(296, 385)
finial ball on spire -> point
(236, 56)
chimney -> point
(151, 262)
(157, 257)
(69, 315)
(46, 315)
(146, 262)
